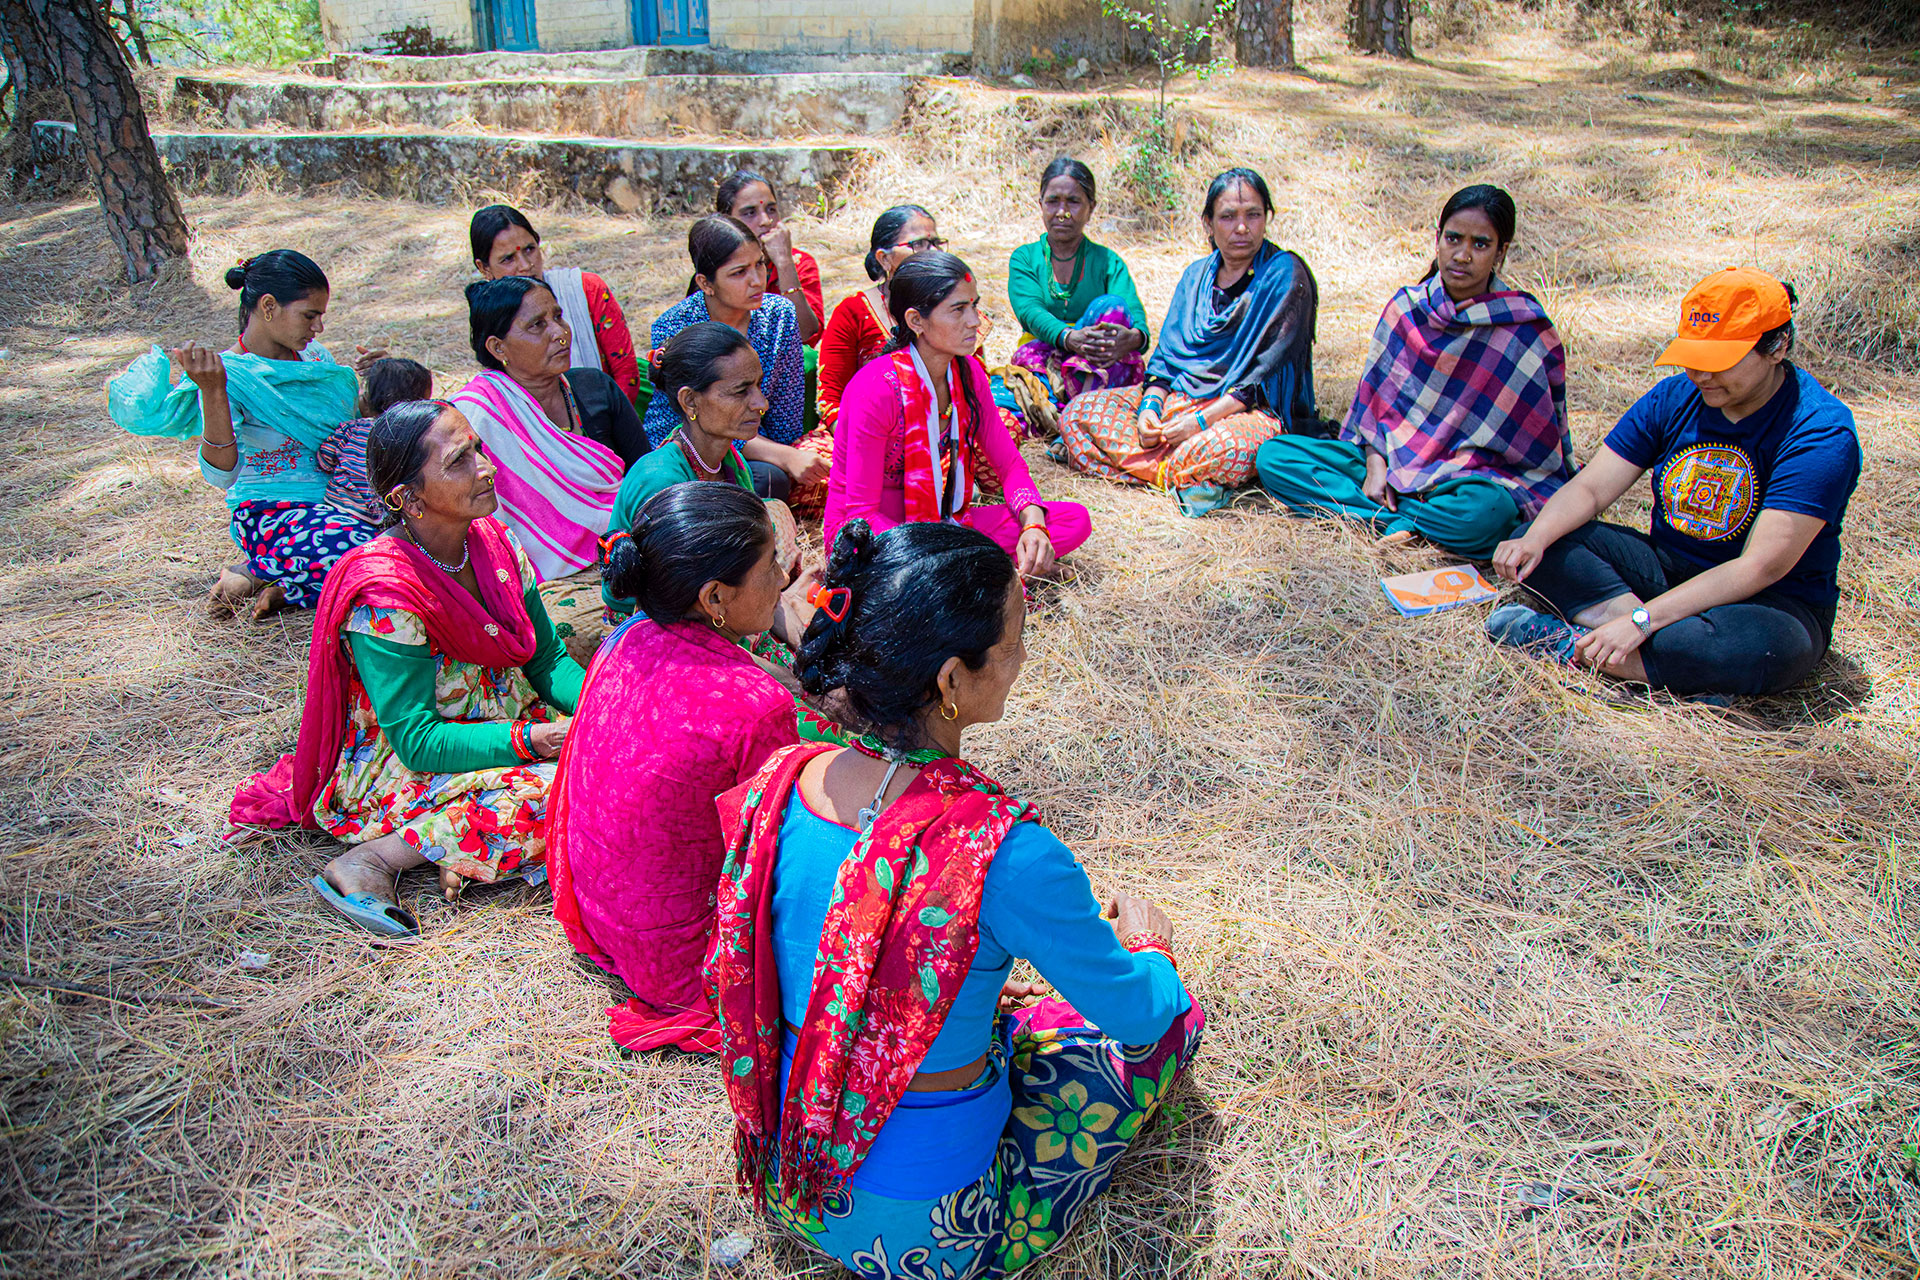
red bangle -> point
(518, 735)
(1148, 941)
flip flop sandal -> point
(367, 910)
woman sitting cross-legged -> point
(261, 409)
(505, 244)
(675, 712)
(910, 421)
(1735, 589)
(730, 286)
(560, 437)
(1083, 328)
(712, 373)
(898, 1103)
(437, 692)
(1459, 427)
(1233, 369)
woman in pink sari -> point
(911, 419)
(560, 437)
(676, 710)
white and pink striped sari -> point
(556, 489)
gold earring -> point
(718, 622)
(949, 712)
(693, 418)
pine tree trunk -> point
(1381, 26)
(143, 214)
(1263, 33)
(36, 90)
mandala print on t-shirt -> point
(1707, 491)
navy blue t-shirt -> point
(1711, 477)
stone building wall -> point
(583, 24)
(851, 26)
(364, 24)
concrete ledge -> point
(441, 168)
(759, 106)
(650, 61)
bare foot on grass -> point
(271, 600)
(372, 867)
(231, 590)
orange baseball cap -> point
(1723, 317)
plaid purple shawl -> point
(1475, 388)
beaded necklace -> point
(1058, 291)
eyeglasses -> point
(923, 244)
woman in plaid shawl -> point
(898, 1103)
(1459, 428)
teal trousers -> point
(1467, 516)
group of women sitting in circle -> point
(761, 822)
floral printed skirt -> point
(1101, 432)
(1079, 1099)
(296, 543)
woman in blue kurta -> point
(730, 285)
(899, 1103)
(260, 408)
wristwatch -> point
(1643, 620)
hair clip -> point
(606, 543)
(835, 602)
(656, 355)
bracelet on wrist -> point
(520, 735)
(1147, 940)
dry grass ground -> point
(1508, 977)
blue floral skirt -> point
(1079, 1099)
(296, 543)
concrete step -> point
(757, 106)
(622, 63)
(441, 168)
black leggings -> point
(1764, 644)
(769, 481)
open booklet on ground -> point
(1431, 590)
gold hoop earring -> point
(949, 712)
(693, 419)
(718, 623)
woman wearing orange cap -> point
(1733, 591)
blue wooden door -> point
(669, 21)
(513, 25)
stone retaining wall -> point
(444, 168)
(784, 106)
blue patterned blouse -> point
(774, 332)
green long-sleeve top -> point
(1030, 285)
(403, 685)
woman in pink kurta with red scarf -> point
(909, 421)
(675, 712)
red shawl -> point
(899, 938)
(930, 445)
(388, 573)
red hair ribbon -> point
(832, 601)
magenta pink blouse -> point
(868, 480)
(673, 717)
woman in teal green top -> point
(710, 373)
(1083, 328)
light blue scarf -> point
(304, 399)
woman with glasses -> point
(860, 325)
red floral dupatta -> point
(931, 447)
(900, 935)
(389, 573)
